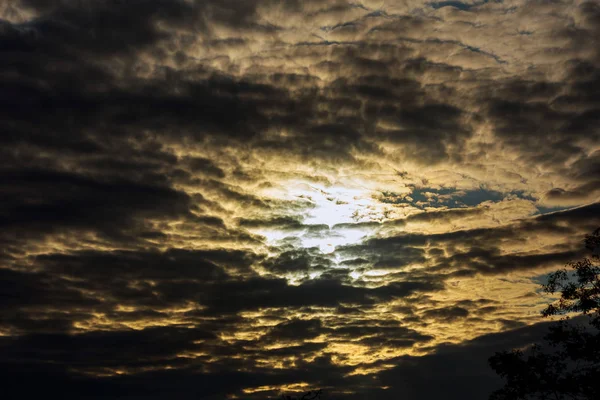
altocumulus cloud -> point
(225, 199)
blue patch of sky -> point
(475, 197)
(542, 279)
(452, 198)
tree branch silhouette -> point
(568, 365)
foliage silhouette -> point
(568, 365)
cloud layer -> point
(228, 199)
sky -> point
(233, 199)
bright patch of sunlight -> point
(327, 215)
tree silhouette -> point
(568, 365)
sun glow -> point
(328, 215)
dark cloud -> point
(259, 293)
(132, 349)
(447, 215)
(284, 222)
(447, 314)
(43, 201)
(206, 166)
(35, 291)
(297, 330)
(297, 261)
(142, 142)
(70, 289)
(454, 368)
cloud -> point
(231, 198)
(447, 314)
(455, 368)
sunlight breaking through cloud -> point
(220, 199)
